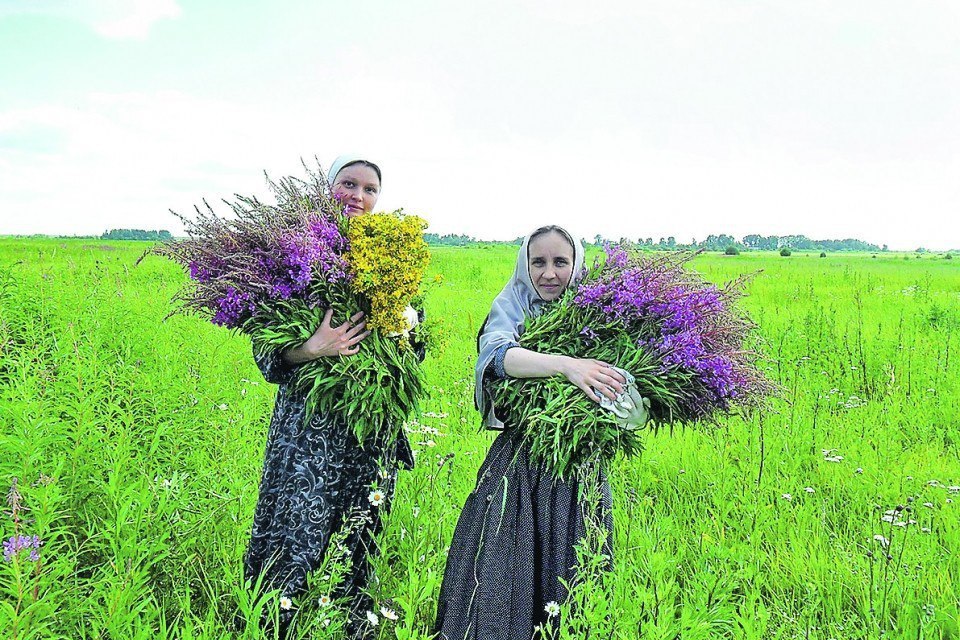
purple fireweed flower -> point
(683, 321)
(205, 272)
(233, 308)
(331, 246)
(15, 544)
(589, 333)
(616, 255)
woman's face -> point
(358, 187)
(550, 261)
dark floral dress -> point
(514, 547)
(316, 476)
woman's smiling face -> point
(550, 262)
(358, 187)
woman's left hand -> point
(594, 377)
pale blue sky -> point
(632, 119)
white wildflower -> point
(325, 601)
(928, 505)
(552, 609)
(883, 541)
(787, 496)
(389, 614)
(376, 497)
(809, 489)
(286, 603)
(858, 470)
(372, 618)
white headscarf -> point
(517, 301)
(344, 160)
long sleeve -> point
(496, 368)
(272, 366)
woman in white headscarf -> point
(316, 477)
(514, 545)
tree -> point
(136, 234)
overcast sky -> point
(638, 119)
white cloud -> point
(118, 19)
(134, 18)
(649, 119)
(125, 159)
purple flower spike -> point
(15, 544)
(233, 308)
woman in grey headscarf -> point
(514, 545)
(316, 477)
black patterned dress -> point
(514, 546)
(315, 477)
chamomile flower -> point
(286, 603)
(377, 497)
(552, 609)
(389, 614)
(372, 618)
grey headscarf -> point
(504, 324)
(344, 160)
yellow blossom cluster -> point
(388, 257)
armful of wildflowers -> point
(683, 339)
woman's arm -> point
(587, 374)
(329, 341)
(272, 365)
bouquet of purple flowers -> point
(685, 341)
(272, 270)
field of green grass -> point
(136, 443)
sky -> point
(626, 119)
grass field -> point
(136, 444)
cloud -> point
(116, 19)
(134, 18)
(123, 159)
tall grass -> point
(136, 444)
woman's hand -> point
(328, 341)
(592, 376)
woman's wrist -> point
(296, 355)
(562, 365)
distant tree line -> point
(721, 242)
(755, 242)
(460, 240)
(136, 234)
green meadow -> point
(135, 442)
